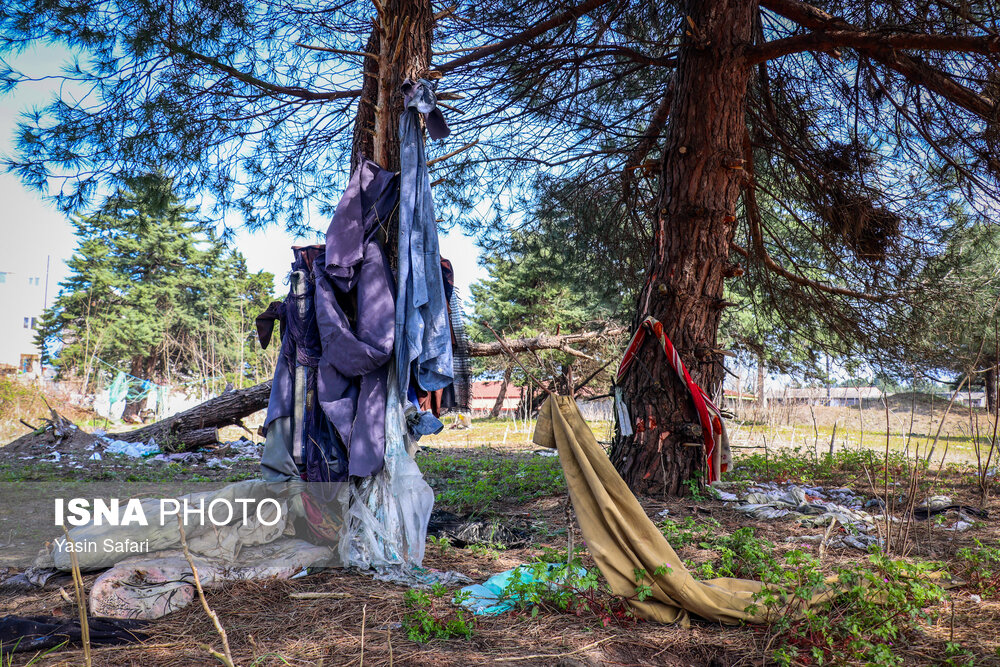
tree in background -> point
(156, 293)
(959, 335)
(535, 288)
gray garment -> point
(276, 463)
(422, 332)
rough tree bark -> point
(701, 180)
(401, 41)
(199, 425)
(498, 405)
(399, 48)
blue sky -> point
(32, 229)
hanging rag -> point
(423, 334)
(340, 332)
(713, 428)
(622, 538)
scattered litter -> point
(418, 577)
(95, 457)
(54, 457)
(134, 449)
(219, 464)
(808, 505)
(726, 496)
(462, 531)
(960, 526)
(546, 452)
(179, 457)
(938, 504)
(487, 598)
(34, 633)
(934, 504)
(975, 598)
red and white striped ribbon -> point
(709, 416)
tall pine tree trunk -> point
(695, 218)
(401, 40)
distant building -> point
(977, 399)
(22, 300)
(483, 396)
(849, 396)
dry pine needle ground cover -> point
(491, 470)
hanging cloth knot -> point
(420, 96)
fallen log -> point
(191, 428)
(542, 342)
(199, 425)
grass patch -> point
(480, 482)
(802, 465)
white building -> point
(22, 300)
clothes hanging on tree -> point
(423, 334)
(340, 329)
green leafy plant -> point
(442, 543)
(433, 616)
(875, 609)
(489, 550)
(980, 567)
(557, 583)
(481, 484)
(741, 554)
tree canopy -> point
(154, 292)
(810, 155)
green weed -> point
(480, 484)
(805, 465)
(741, 554)
(980, 567)
(557, 583)
(442, 543)
(433, 615)
(877, 609)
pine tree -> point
(154, 292)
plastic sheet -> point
(386, 523)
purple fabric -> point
(346, 336)
(371, 196)
(353, 368)
(355, 314)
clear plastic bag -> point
(386, 522)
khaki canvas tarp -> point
(622, 538)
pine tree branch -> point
(913, 69)
(828, 40)
(542, 342)
(522, 37)
(292, 91)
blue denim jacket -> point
(422, 333)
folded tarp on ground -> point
(622, 538)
